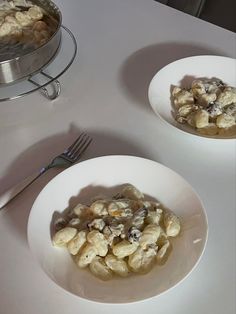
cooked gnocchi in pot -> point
(118, 236)
(23, 22)
(209, 106)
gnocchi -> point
(118, 266)
(172, 224)
(76, 243)
(131, 192)
(209, 106)
(99, 208)
(79, 210)
(98, 240)
(154, 216)
(124, 248)
(63, 236)
(99, 268)
(141, 260)
(163, 252)
(88, 253)
(118, 235)
(149, 235)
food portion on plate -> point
(23, 22)
(118, 236)
(208, 106)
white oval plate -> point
(183, 72)
(104, 175)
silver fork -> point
(70, 156)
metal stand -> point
(50, 87)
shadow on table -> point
(16, 212)
(138, 70)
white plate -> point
(183, 72)
(104, 175)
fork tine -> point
(70, 149)
(82, 148)
(78, 145)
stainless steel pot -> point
(26, 64)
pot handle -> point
(56, 89)
(55, 86)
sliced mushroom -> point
(139, 216)
(97, 223)
(214, 109)
(134, 234)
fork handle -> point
(14, 191)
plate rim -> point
(198, 260)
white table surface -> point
(122, 43)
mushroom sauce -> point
(209, 106)
(118, 236)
